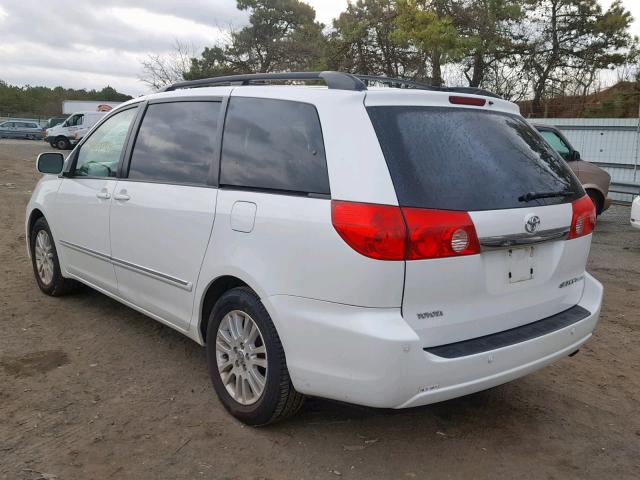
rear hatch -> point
(483, 160)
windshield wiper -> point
(527, 197)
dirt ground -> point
(90, 389)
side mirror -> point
(50, 162)
(575, 156)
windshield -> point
(463, 159)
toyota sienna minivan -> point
(388, 247)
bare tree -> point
(162, 70)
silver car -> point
(20, 129)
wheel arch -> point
(600, 194)
(214, 290)
(35, 214)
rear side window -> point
(463, 159)
(176, 143)
(273, 145)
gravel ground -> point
(90, 389)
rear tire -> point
(63, 143)
(46, 266)
(231, 338)
(597, 200)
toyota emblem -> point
(532, 223)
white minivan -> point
(388, 247)
(65, 134)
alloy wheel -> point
(44, 257)
(241, 357)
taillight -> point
(476, 102)
(375, 231)
(583, 220)
(439, 233)
(386, 232)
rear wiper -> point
(527, 197)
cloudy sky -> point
(93, 43)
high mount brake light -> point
(386, 232)
(583, 219)
(476, 102)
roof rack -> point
(333, 80)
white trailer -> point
(73, 106)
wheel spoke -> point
(238, 388)
(259, 350)
(259, 362)
(245, 390)
(246, 328)
(223, 367)
(231, 320)
(237, 320)
(253, 334)
(224, 346)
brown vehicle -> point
(593, 178)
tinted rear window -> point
(273, 145)
(464, 159)
(176, 143)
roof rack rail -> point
(334, 80)
(403, 83)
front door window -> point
(100, 153)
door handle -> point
(103, 195)
(122, 196)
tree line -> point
(536, 49)
(43, 102)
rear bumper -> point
(372, 357)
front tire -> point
(46, 266)
(246, 360)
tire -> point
(278, 399)
(597, 200)
(63, 143)
(53, 144)
(53, 283)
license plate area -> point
(520, 264)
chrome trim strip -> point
(88, 251)
(520, 239)
(188, 286)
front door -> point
(162, 214)
(83, 202)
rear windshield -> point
(464, 159)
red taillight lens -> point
(439, 233)
(476, 102)
(386, 232)
(583, 220)
(375, 231)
